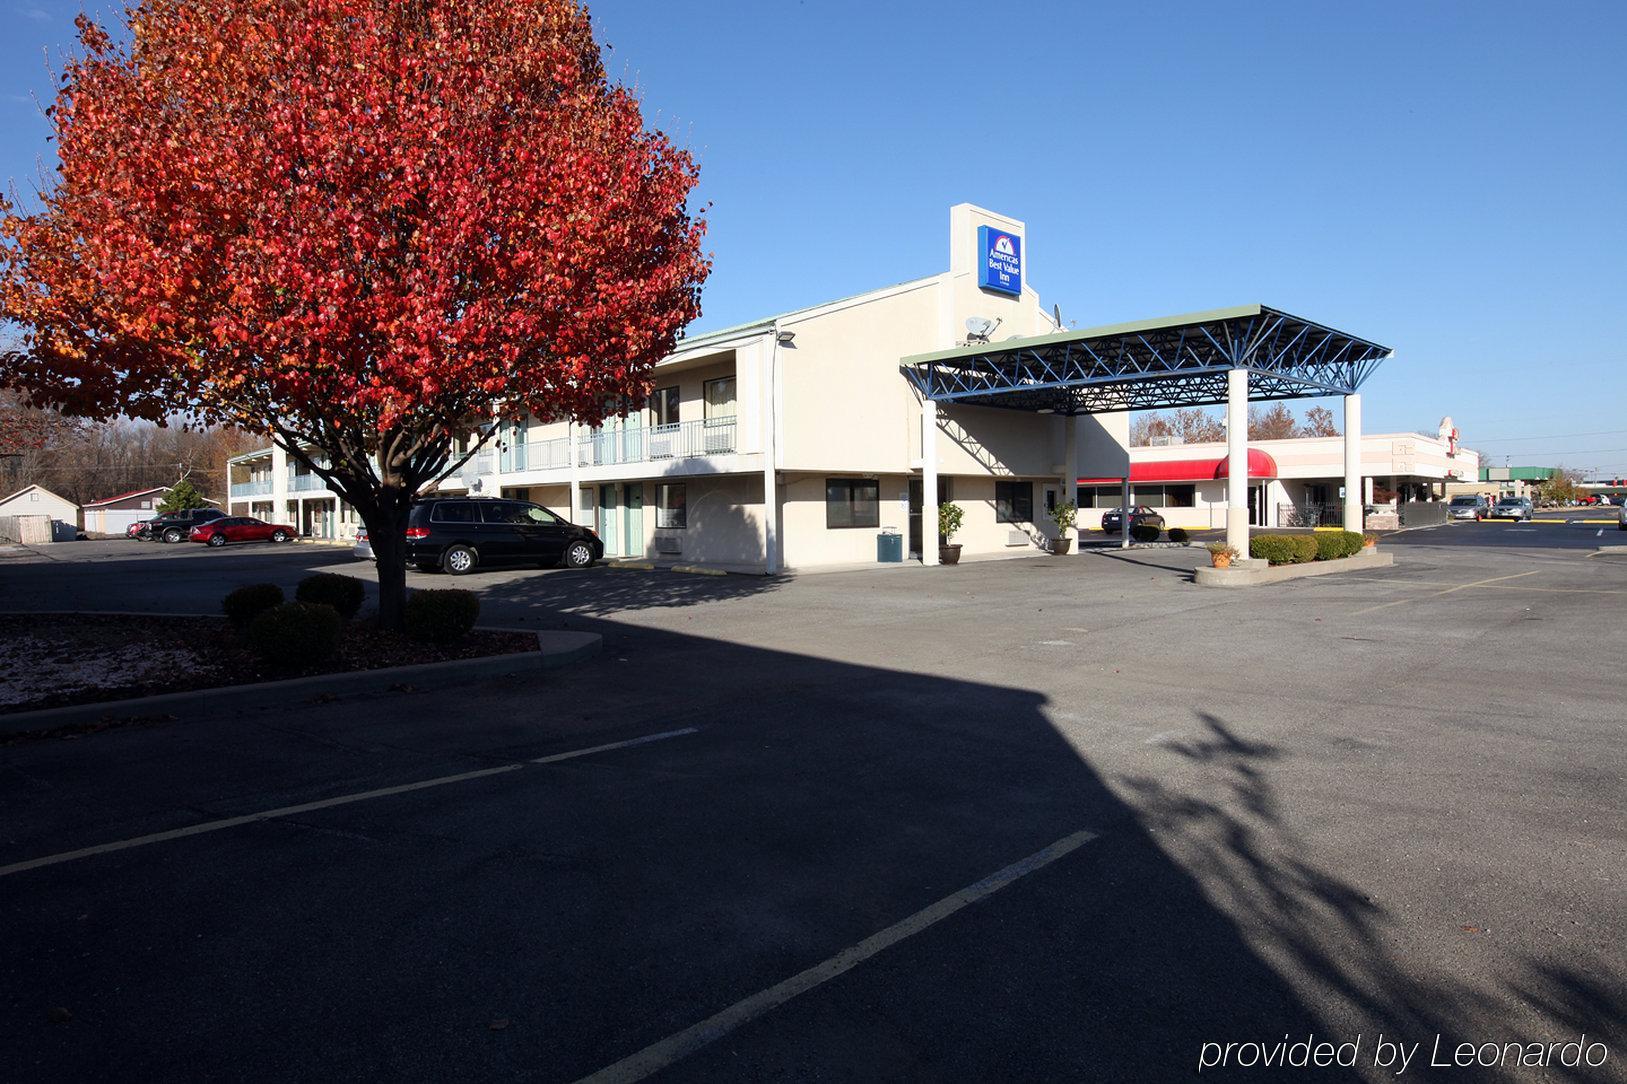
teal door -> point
(608, 519)
(632, 520)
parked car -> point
(175, 526)
(1112, 519)
(459, 534)
(219, 532)
(1514, 508)
(1469, 506)
(363, 549)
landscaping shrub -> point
(295, 635)
(1283, 549)
(344, 593)
(1178, 534)
(246, 603)
(1333, 545)
(442, 616)
(1145, 532)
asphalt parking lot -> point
(1047, 818)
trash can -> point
(890, 547)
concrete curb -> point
(1256, 577)
(555, 648)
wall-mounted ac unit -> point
(669, 543)
(1016, 538)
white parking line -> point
(326, 803)
(1448, 591)
(658, 1056)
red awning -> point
(1260, 465)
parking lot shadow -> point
(601, 592)
(549, 921)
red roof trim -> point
(126, 496)
(1260, 465)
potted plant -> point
(949, 517)
(1063, 516)
(1222, 555)
(1369, 541)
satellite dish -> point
(980, 327)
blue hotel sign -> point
(1002, 261)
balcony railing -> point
(547, 454)
(304, 483)
(252, 489)
(686, 440)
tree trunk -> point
(387, 534)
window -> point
(518, 512)
(455, 512)
(719, 398)
(1014, 502)
(852, 502)
(1174, 496)
(671, 505)
(664, 406)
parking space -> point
(1303, 796)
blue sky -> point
(1448, 179)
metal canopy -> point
(1150, 364)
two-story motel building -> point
(793, 441)
(785, 443)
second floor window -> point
(720, 398)
(664, 406)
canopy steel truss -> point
(1179, 361)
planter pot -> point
(1221, 562)
(1061, 545)
(1369, 545)
(949, 555)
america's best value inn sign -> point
(1001, 268)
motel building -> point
(795, 441)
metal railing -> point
(1310, 514)
(686, 440)
(305, 483)
(251, 489)
(547, 454)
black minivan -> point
(459, 534)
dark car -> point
(459, 534)
(1112, 519)
(218, 532)
(177, 526)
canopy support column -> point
(929, 482)
(1353, 488)
(1124, 519)
(1070, 463)
(1237, 460)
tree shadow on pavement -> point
(1322, 931)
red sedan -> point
(218, 532)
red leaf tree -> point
(369, 228)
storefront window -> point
(852, 502)
(1014, 502)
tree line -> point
(1195, 425)
(85, 460)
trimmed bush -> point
(1146, 532)
(246, 603)
(1179, 534)
(442, 616)
(1334, 545)
(344, 593)
(296, 634)
(1283, 549)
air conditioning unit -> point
(1016, 538)
(669, 543)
